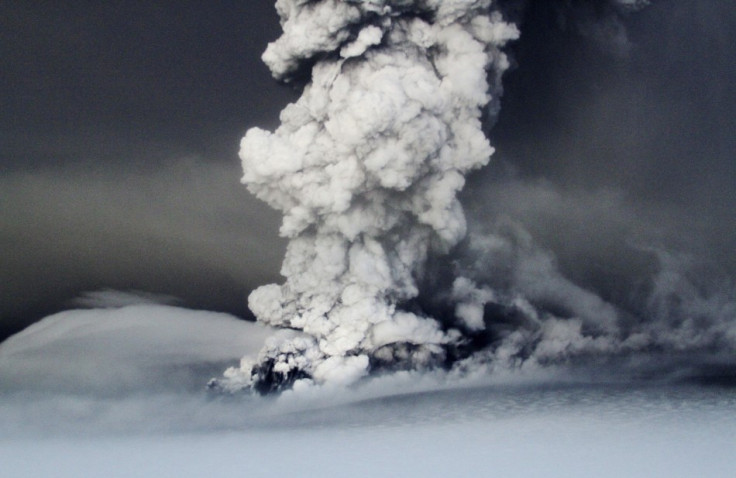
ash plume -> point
(366, 168)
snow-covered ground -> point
(121, 392)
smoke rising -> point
(366, 167)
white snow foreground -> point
(132, 349)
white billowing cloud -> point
(309, 28)
(470, 300)
(366, 167)
(368, 37)
(131, 349)
(565, 338)
(341, 370)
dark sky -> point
(603, 151)
(118, 148)
(121, 123)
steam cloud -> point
(366, 167)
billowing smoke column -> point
(366, 167)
